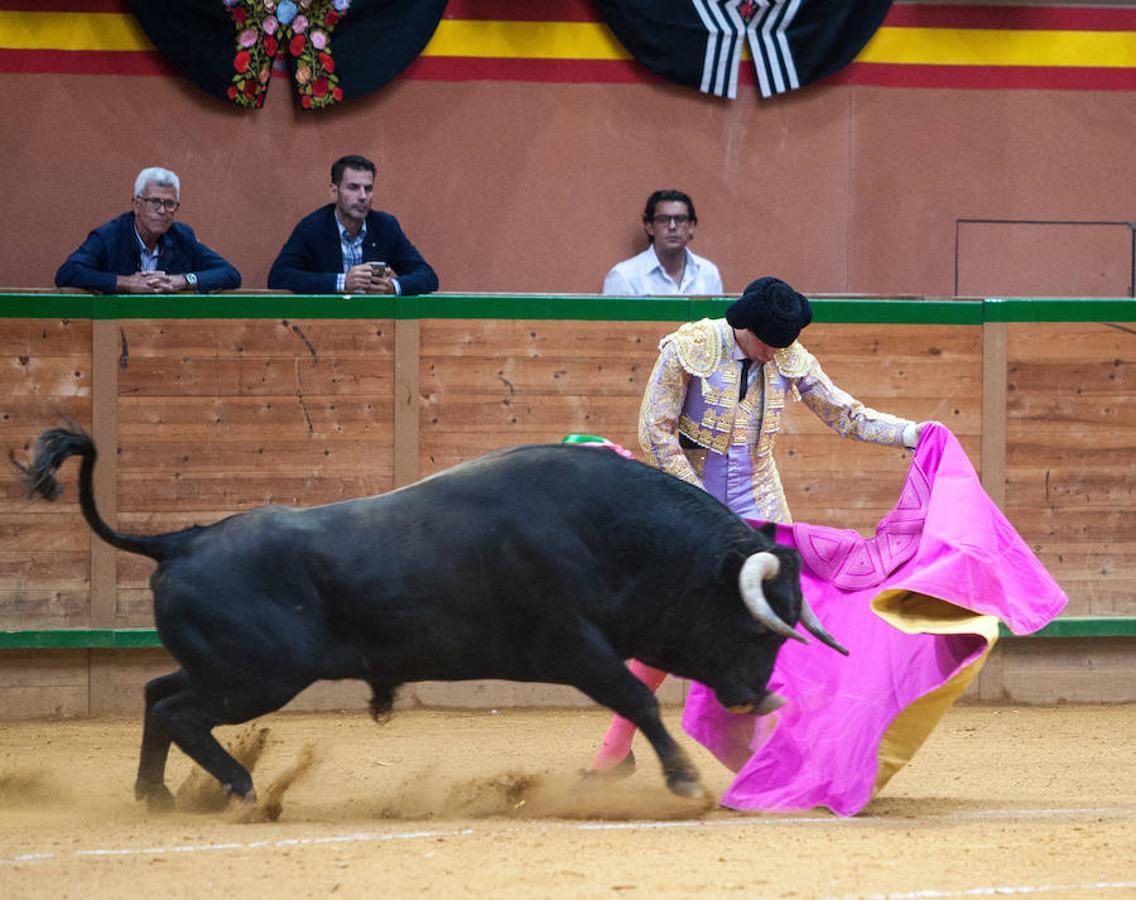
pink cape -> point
(945, 540)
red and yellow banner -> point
(1075, 48)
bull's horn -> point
(813, 627)
(758, 568)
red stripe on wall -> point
(583, 71)
(1011, 18)
(524, 10)
(1052, 78)
(86, 62)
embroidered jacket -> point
(692, 397)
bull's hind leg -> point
(187, 717)
(150, 785)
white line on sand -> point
(1005, 890)
(365, 837)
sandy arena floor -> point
(1001, 800)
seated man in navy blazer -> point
(348, 248)
(145, 251)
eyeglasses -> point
(663, 221)
(157, 203)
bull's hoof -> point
(158, 797)
(622, 769)
(247, 799)
(685, 787)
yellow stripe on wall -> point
(594, 41)
(71, 31)
(524, 40)
(994, 47)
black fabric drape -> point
(371, 43)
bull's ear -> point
(769, 529)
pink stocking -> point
(617, 742)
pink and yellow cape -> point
(918, 606)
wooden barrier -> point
(202, 407)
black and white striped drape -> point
(700, 42)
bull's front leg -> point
(643, 711)
(601, 674)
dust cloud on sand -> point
(435, 795)
(438, 793)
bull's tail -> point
(51, 450)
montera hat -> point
(772, 310)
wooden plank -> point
(25, 417)
(34, 684)
(45, 338)
(53, 607)
(59, 528)
(312, 339)
(135, 607)
(71, 568)
(1063, 342)
(1037, 523)
(993, 460)
(192, 491)
(105, 344)
(616, 340)
(267, 453)
(1106, 450)
(222, 417)
(1116, 409)
(1080, 670)
(501, 338)
(1059, 487)
(258, 377)
(1086, 376)
(555, 416)
(407, 388)
(1093, 595)
(518, 376)
(48, 377)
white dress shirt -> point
(644, 276)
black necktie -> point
(746, 363)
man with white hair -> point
(145, 251)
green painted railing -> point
(147, 638)
(558, 306)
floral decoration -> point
(301, 29)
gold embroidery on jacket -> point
(699, 346)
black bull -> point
(542, 563)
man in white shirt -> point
(666, 266)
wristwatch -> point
(191, 281)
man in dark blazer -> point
(145, 251)
(348, 248)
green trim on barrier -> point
(584, 307)
(80, 639)
(147, 638)
(1081, 627)
(1070, 309)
